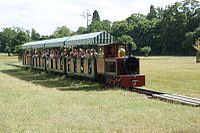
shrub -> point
(146, 50)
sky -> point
(46, 15)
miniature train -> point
(94, 56)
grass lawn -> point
(179, 75)
(37, 102)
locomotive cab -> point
(118, 67)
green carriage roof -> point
(84, 39)
(90, 38)
(38, 44)
(58, 42)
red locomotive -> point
(95, 56)
(116, 69)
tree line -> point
(170, 30)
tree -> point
(8, 35)
(146, 50)
(95, 26)
(106, 25)
(95, 16)
(143, 31)
(34, 35)
(21, 38)
(2, 46)
(152, 14)
(191, 8)
(177, 24)
(12, 39)
(190, 38)
(82, 30)
(159, 13)
(62, 32)
(188, 41)
(119, 28)
(44, 37)
(126, 39)
(173, 28)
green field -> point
(37, 102)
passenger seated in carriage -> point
(88, 53)
(35, 54)
(43, 53)
(93, 52)
(82, 56)
(81, 53)
(51, 54)
(64, 52)
(28, 53)
(58, 53)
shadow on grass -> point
(52, 81)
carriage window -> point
(110, 67)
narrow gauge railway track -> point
(195, 102)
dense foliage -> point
(167, 31)
(11, 39)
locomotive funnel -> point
(131, 65)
